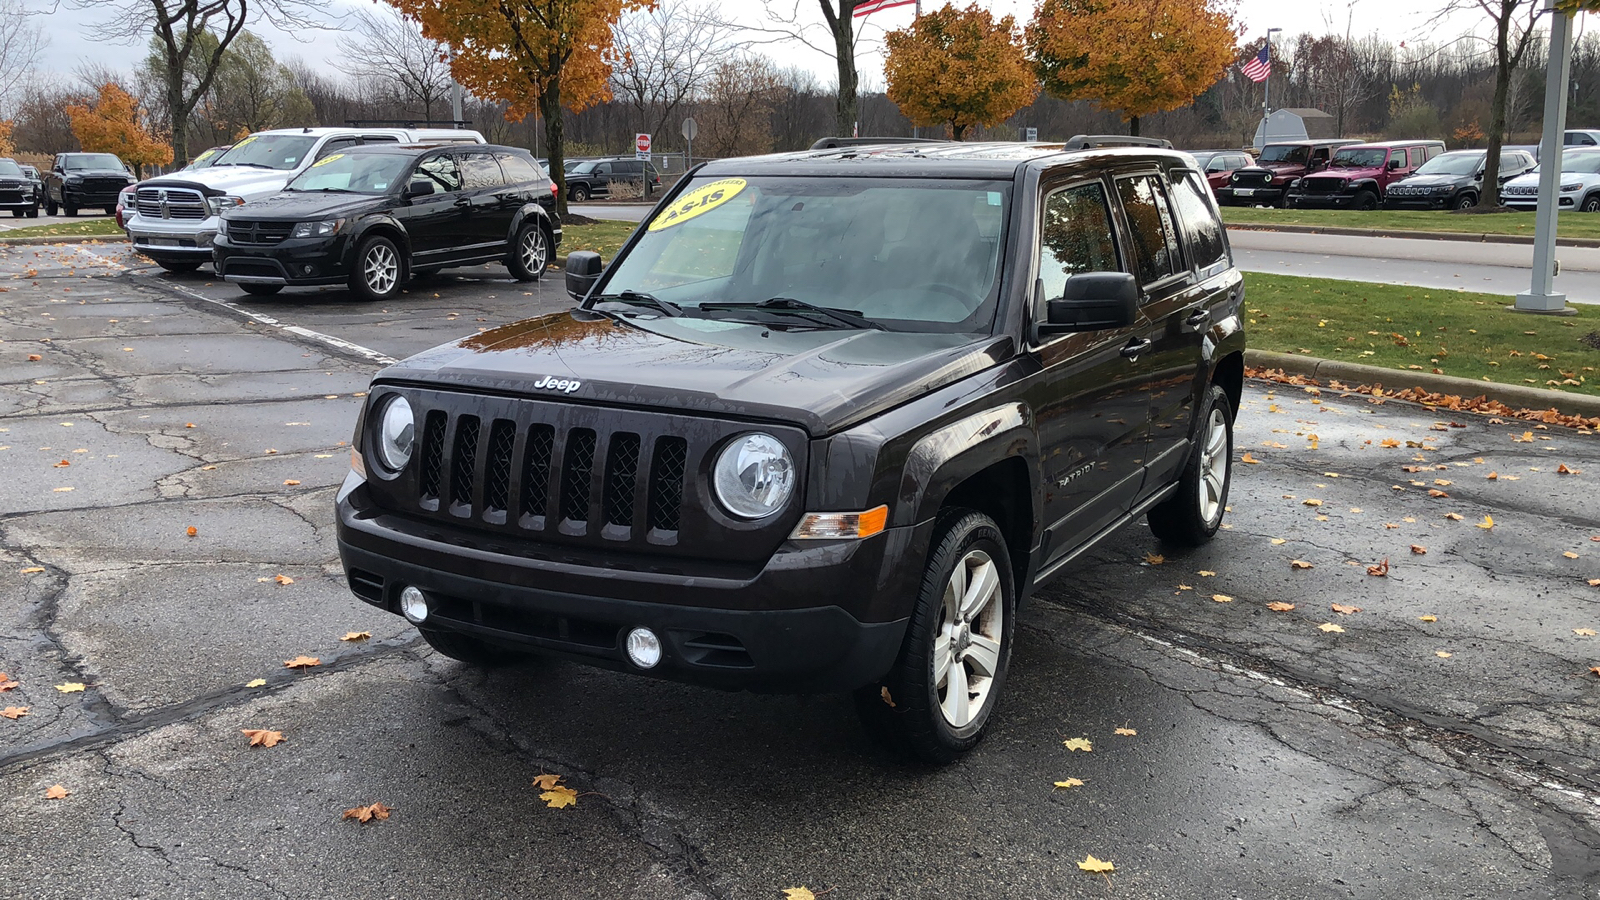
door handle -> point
(1136, 347)
(1198, 319)
(463, 201)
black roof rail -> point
(830, 143)
(1093, 141)
(407, 123)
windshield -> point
(207, 159)
(357, 173)
(268, 151)
(1204, 159)
(86, 161)
(1453, 164)
(908, 255)
(1283, 153)
(10, 167)
(1358, 159)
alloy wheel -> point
(966, 645)
(1213, 466)
(534, 256)
(381, 269)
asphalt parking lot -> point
(1443, 744)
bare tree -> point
(1513, 22)
(21, 43)
(662, 57)
(838, 35)
(190, 38)
(390, 50)
(737, 106)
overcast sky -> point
(1397, 20)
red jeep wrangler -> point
(1267, 182)
(1358, 175)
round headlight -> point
(397, 434)
(754, 476)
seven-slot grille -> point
(1322, 185)
(171, 203)
(259, 233)
(1251, 179)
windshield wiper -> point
(849, 318)
(640, 298)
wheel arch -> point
(533, 210)
(385, 227)
(1004, 492)
(1228, 374)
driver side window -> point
(1075, 236)
(441, 170)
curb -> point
(58, 239)
(1509, 394)
(1467, 237)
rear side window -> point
(518, 169)
(1075, 237)
(1200, 220)
(479, 171)
(1155, 241)
(1415, 156)
(442, 171)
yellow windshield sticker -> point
(243, 142)
(698, 201)
(327, 159)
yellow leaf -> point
(1154, 559)
(261, 737)
(356, 636)
(56, 792)
(1454, 517)
(546, 781)
(1300, 564)
(302, 662)
(1488, 522)
(1096, 865)
(1247, 458)
(799, 893)
(1277, 541)
(1076, 744)
(1311, 502)
(1344, 610)
(1205, 574)
(31, 570)
(1443, 654)
(291, 482)
(1069, 783)
(1185, 587)
(1427, 618)
(559, 797)
(1280, 606)
(1126, 732)
(71, 687)
(1222, 598)
(1331, 628)
(1419, 549)
(255, 683)
(365, 814)
(283, 579)
(1584, 632)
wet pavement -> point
(1269, 759)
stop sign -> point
(641, 145)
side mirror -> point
(1093, 301)
(1395, 164)
(583, 270)
(418, 188)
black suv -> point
(82, 180)
(1453, 180)
(375, 215)
(823, 425)
(17, 192)
(593, 178)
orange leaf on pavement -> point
(261, 737)
(368, 813)
(302, 662)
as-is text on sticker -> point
(697, 202)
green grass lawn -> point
(1407, 328)
(106, 227)
(606, 238)
(1572, 225)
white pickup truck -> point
(174, 219)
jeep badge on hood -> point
(564, 385)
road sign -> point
(641, 146)
(691, 129)
(1030, 134)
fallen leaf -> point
(799, 893)
(1488, 522)
(255, 683)
(1222, 598)
(1570, 555)
(1277, 541)
(283, 579)
(887, 697)
(31, 570)
(1311, 502)
(1300, 564)
(1380, 570)
(71, 687)
(368, 813)
(1069, 783)
(1563, 470)
(1435, 492)
(1330, 628)
(1126, 732)
(291, 482)
(559, 797)
(1454, 517)
(56, 792)
(547, 781)
(1154, 559)
(1419, 550)
(1090, 864)
(7, 682)
(60, 465)
(193, 531)
(61, 490)
(1388, 442)
(1076, 744)
(34, 357)
(260, 737)
(1344, 610)
(1390, 525)
(14, 712)
(1205, 574)
(302, 662)
(1427, 618)
(356, 636)
(1280, 606)
(1584, 632)
(1185, 587)
(1443, 654)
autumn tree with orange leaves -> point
(1135, 57)
(116, 124)
(959, 68)
(535, 55)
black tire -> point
(68, 210)
(1186, 519)
(378, 271)
(904, 709)
(1366, 201)
(1465, 201)
(530, 253)
(49, 207)
(578, 194)
(179, 268)
(17, 213)
(261, 290)
(33, 213)
(470, 650)
(1591, 204)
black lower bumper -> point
(93, 200)
(296, 261)
(1322, 201)
(1266, 196)
(1431, 202)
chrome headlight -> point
(397, 433)
(222, 226)
(317, 229)
(218, 204)
(754, 476)
(1569, 188)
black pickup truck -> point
(823, 425)
(81, 180)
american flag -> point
(1259, 68)
(872, 6)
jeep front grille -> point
(1247, 179)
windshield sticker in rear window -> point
(327, 159)
(700, 200)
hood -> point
(97, 173)
(1348, 172)
(1424, 181)
(244, 181)
(821, 380)
(302, 206)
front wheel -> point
(1366, 201)
(1191, 516)
(49, 207)
(579, 194)
(1465, 201)
(68, 209)
(376, 274)
(33, 213)
(530, 253)
(938, 698)
(1591, 203)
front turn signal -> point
(357, 464)
(841, 526)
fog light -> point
(309, 270)
(414, 604)
(644, 648)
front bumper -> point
(1420, 201)
(819, 616)
(79, 198)
(294, 261)
(1530, 202)
(188, 240)
(1236, 196)
(1340, 200)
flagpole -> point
(1266, 91)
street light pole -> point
(1541, 296)
(1266, 85)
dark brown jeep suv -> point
(824, 424)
